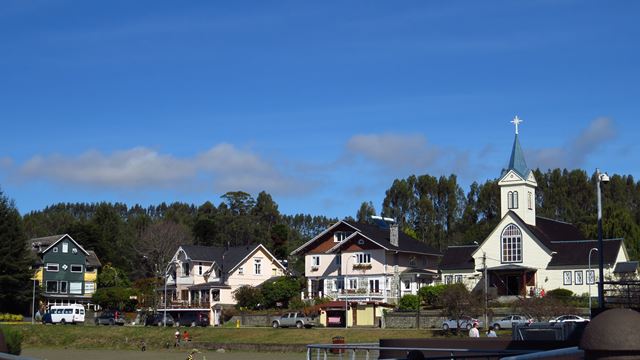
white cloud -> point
(221, 168)
(394, 151)
(576, 151)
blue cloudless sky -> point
(321, 104)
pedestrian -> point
(491, 332)
(177, 336)
(143, 346)
(185, 336)
(474, 333)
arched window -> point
(511, 244)
(530, 200)
(510, 200)
(515, 199)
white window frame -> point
(590, 277)
(353, 284)
(46, 289)
(457, 279)
(55, 249)
(530, 200)
(448, 279)
(65, 247)
(578, 277)
(76, 271)
(50, 265)
(339, 236)
(315, 260)
(567, 277)
(363, 258)
(511, 244)
(75, 287)
(257, 266)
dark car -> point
(191, 318)
(110, 317)
(158, 320)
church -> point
(525, 254)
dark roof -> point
(207, 286)
(516, 161)
(626, 267)
(226, 258)
(548, 231)
(577, 252)
(458, 257)
(382, 236)
(43, 242)
(92, 259)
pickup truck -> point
(298, 320)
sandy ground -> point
(61, 354)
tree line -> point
(138, 240)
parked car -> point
(466, 322)
(298, 320)
(568, 318)
(157, 319)
(508, 321)
(110, 317)
(191, 318)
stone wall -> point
(413, 320)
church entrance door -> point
(514, 284)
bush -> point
(11, 317)
(248, 297)
(13, 339)
(409, 303)
(430, 295)
(560, 294)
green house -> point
(67, 273)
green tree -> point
(248, 297)
(15, 260)
(280, 291)
(365, 212)
(409, 302)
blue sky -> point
(321, 104)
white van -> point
(65, 314)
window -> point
(512, 200)
(65, 247)
(374, 286)
(530, 200)
(339, 236)
(75, 288)
(89, 287)
(577, 277)
(241, 270)
(274, 271)
(55, 249)
(52, 286)
(353, 284)
(76, 268)
(315, 260)
(412, 261)
(458, 279)
(185, 269)
(407, 284)
(448, 279)
(511, 244)
(566, 277)
(62, 286)
(53, 267)
(591, 277)
(363, 258)
(257, 266)
(199, 268)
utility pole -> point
(486, 289)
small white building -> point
(525, 253)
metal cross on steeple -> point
(516, 122)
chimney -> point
(393, 235)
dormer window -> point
(339, 236)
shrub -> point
(560, 294)
(13, 339)
(409, 303)
(430, 295)
(248, 297)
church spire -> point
(516, 161)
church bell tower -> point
(518, 185)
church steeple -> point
(517, 184)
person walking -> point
(177, 336)
(491, 332)
(474, 333)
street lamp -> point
(589, 272)
(605, 179)
(166, 276)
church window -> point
(458, 279)
(512, 200)
(566, 277)
(530, 200)
(591, 277)
(448, 279)
(511, 244)
(578, 277)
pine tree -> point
(15, 260)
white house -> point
(204, 277)
(525, 253)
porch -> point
(511, 280)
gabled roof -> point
(548, 231)
(458, 258)
(379, 236)
(570, 253)
(516, 161)
(92, 259)
(626, 267)
(227, 259)
(52, 241)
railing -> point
(372, 351)
(625, 293)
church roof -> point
(571, 253)
(516, 161)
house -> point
(66, 272)
(203, 278)
(525, 253)
(361, 263)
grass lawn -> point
(129, 337)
